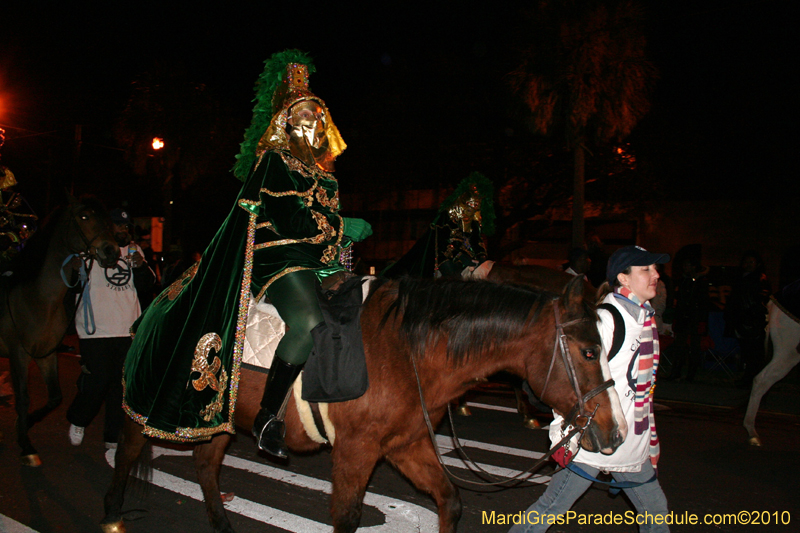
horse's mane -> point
(474, 315)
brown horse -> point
(451, 332)
(540, 277)
(33, 318)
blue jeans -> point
(566, 487)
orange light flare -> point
(158, 143)
(626, 157)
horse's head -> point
(576, 382)
(91, 232)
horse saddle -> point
(336, 368)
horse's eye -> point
(589, 353)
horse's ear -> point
(70, 198)
(572, 299)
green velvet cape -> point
(181, 374)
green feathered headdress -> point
(485, 190)
(266, 85)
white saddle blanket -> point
(265, 329)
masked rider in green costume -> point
(292, 290)
(283, 234)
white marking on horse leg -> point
(784, 333)
(8, 525)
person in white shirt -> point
(631, 282)
(106, 310)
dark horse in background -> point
(33, 318)
(450, 332)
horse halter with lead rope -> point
(86, 257)
(579, 410)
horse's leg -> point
(353, 463)
(129, 448)
(783, 360)
(48, 366)
(207, 461)
(524, 406)
(419, 464)
(19, 377)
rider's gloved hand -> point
(356, 229)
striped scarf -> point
(646, 381)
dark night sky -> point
(722, 121)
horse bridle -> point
(560, 344)
(87, 251)
(578, 410)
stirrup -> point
(270, 438)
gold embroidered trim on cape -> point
(198, 434)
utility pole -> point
(76, 158)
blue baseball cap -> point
(629, 256)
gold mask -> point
(315, 141)
(466, 209)
(308, 140)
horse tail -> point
(142, 472)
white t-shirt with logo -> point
(114, 302)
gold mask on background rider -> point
(466, 209)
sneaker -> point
(75, 434)
(111, 445)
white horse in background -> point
(783, 331)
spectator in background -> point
(103, 322)
(598, 260)
(746, 314)
(691, 312)
(661, 303)
(578, 263)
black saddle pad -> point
(336, 370)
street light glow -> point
(158, 143)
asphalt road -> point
(706, 468)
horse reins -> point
(86, 266)
(560, 344)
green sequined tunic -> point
(182, 372)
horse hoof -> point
(31, 460)
(116, 527)
(531, 423)
(754, 441)
(463, 410)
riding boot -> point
(268, 427)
